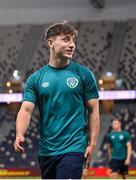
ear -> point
(50, 42)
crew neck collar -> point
(118, 131)
(57, 68)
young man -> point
(119, 150)
(63, 91)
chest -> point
(118, 138)
(60, 83)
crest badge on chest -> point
(72, 82)
(121, 137)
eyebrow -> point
(69, 36)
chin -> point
(70, 57)
(67, 57)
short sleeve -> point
(90, 86)
(29, 90)
(108, 139)
(128, 138)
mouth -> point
(70, 52)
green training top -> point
(118, 142)
(61, 94)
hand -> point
(18, 144)
(127, 161)
(88, 154)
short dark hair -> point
(116, 119)
(60, 28)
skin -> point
(61, 50)
(116, 126)
(22, 124)
(94, 125)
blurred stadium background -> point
(106, 45)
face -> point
(116, 125)
(63, 46)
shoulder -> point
(109, 137)
(109, 134)
(126, 133)
(37, 73)
(82, 70)
(80, 66)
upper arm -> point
(128, 144)
(93, 105)
(30, 92)
(128, 139)
(27, 107)
(109, 146)
(90, 86)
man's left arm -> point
(129, 153)
(94, 126)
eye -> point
(69, 38)
(74, 40)
(66, 39)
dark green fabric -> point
(118, 142)
(61, 94)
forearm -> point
(129, 152)
(94, 123)
(22, 122)
(109, 152)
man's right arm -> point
(109, 151)
(129, 153)
(22, 124)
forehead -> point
(116, 122)
(66, 35)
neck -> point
(58, 63)
(117, 130)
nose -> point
(72, 44)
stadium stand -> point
(93, 45)
(127, 65)
(8, 157)
(92, 50)
(11, 42)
